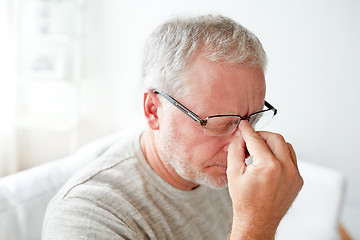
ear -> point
(151, 104)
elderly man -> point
(184, 176)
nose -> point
(237, 132)
(230, 138)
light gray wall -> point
(313, 72)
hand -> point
(263, 191)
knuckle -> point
(298, 184)
(297, 180)
(290, 147)
(274, 166)
(301, 182)
(278, 137)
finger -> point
(236, 157)
(278, 146)
(255, 144)
(293, 155)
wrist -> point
(245, 229)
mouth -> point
(223, 168)
(220, 168)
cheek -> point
(187, 131)
(191, 142)
(209, 152)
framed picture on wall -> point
(45, 63)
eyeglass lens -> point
(221, 125)
(261, 120)
(226, 125)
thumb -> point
(236, 156)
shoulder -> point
(92, 198)
(77, 218)
(119, 161)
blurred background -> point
(70, 73)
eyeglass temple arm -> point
(195, 117)
(268, 105)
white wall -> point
(313, 72)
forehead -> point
(225, 88)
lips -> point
(220, 167)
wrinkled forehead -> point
(227, 88)
(215, 78)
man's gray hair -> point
(171, 47)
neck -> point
(165, 171)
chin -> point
(213, 182)
(213, 177)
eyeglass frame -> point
(203, 122)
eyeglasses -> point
(222, 125)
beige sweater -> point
(119, 196)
